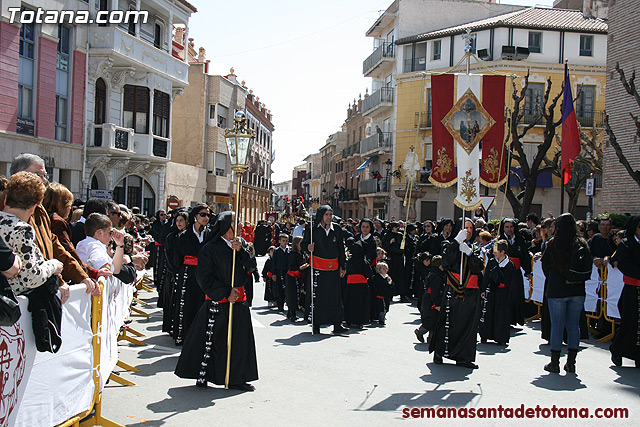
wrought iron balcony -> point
(373, 186)
(383, 97)
(112, 137)
(590, 118)
(425, 120)
(384, 53)
(376, 143)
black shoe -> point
(437, 359)
(294, 319)
(419, 335)
(242, 387)
(637, 363)
(502, 344)
(483, 340)
(337, 329)
(469, 365)
(404, 299)
(617, 360)
(201, 384)
(316, 330)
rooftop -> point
(533, 18)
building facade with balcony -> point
(135, 71)
(328, 188)
(282, 192)
(356, 127)
(42, 91)
(257, 186)
(311, 187)
(403, 18)
(547, 36)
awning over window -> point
(366, 163)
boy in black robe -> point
(500, 275)
(431, 298)
(280, 264)
(204, 354)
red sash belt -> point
(324, 264)
(516, 262)
(241, 298)
(374, 262)
(190, 260)
(158, 244)
(631, 281)
(356, 278)
(472, 283)
(379, 296)
(295, 273)
(503, 285)
(270, 275)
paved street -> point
(363, 378)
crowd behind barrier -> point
(46, 389)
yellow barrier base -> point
(610, 336)
(117, 378)
(536, 316)
(123, 336)
(98, 420)
(127, 367)
(136, 312)
(139, 301)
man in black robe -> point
(391, 243)
(518, 253)
(262, 239)
(329, 266)
(456, 330)
(204, 354)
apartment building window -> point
(535, 41)
(161, 110)
(132, 25)
(585, 104)
(104, 6)
(533, 102)
(221, 164)
(437, 49)
(100, 107)
(157, 36)
(25, 123)
(420, 57)
(223, 113)
(586, 45)
(62, 83)
(136, 108)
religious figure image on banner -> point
(475, 113)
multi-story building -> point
(356, 127)
(328, 188)
(299, 176)
(135, 71)
(311, 185)
(545, 37)
(403, 18)
(619, 191)
(282, 191)
(43, 78)
(257, 187)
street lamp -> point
(239, 140)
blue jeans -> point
(565, 312)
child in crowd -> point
(430, 302)
(381, 284)
(268, 277)
(93, 249)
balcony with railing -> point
(108, 136)
(423, 120)
(529, 119)
(153, 146)
(350, 150)
(590, 118)
(376, 143)
(385, 53)
(381, 98)
(373, 187)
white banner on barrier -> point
(614, 289)
(59, 386)
(592, 287)
(538, 282)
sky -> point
(302, 58)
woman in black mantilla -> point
(457, 326)
(204, 354)
(189, 296)
(626, 342)
(329, 261)
(180, 225)
(444, 231)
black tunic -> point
(294, 280)
(626, 342)
(327, 300)
(395, 256)
(434, 285)
(518, 249)
(268, 275)
(189, 296)
(357, 303)
(280, 264)
(456, 330)
(382, 290)
(262, 239)
(168, 289)
(211, 323)
(494, 323)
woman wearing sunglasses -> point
(189, 296)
